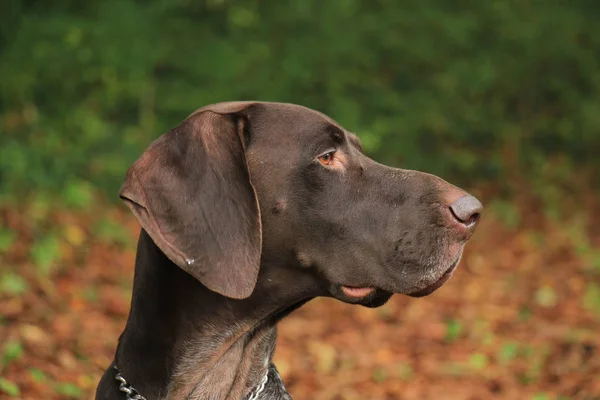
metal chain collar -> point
(260, 387)
(132, 394)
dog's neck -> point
(185, 341)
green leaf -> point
(591, 297)
(10, 388)
(508, 352)
(546, 296)
(7, 238)
(78, 194)
(68, 389)
(525, 313)
(37, 375)
(454, 328)
(45, 252)
(478, 361)
(12, 350)
(13, 284)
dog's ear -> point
(191, 191)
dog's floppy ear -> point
(191, 191)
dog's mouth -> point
(376, 296)
(366, 296)
(357, 292)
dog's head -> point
(239, 182)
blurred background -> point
(500, 97)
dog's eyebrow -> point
(339, 135)
(336, 133)
(354, 140)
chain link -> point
(260, 387)
(130, 392)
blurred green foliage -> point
(9, 387)
(471, 91)
(454, 328)
(69, 390)
(11, 350)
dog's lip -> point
(357, 292)
(438, 284)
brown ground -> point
(519, 320)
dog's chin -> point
(426, 291)
(372, 296)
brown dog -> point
(249, 210)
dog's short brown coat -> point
(243, 222)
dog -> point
(249, 210)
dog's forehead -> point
(302, 113)
(273, 112)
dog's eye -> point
(327, 158)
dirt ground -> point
(520, 319)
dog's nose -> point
(467, 210)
